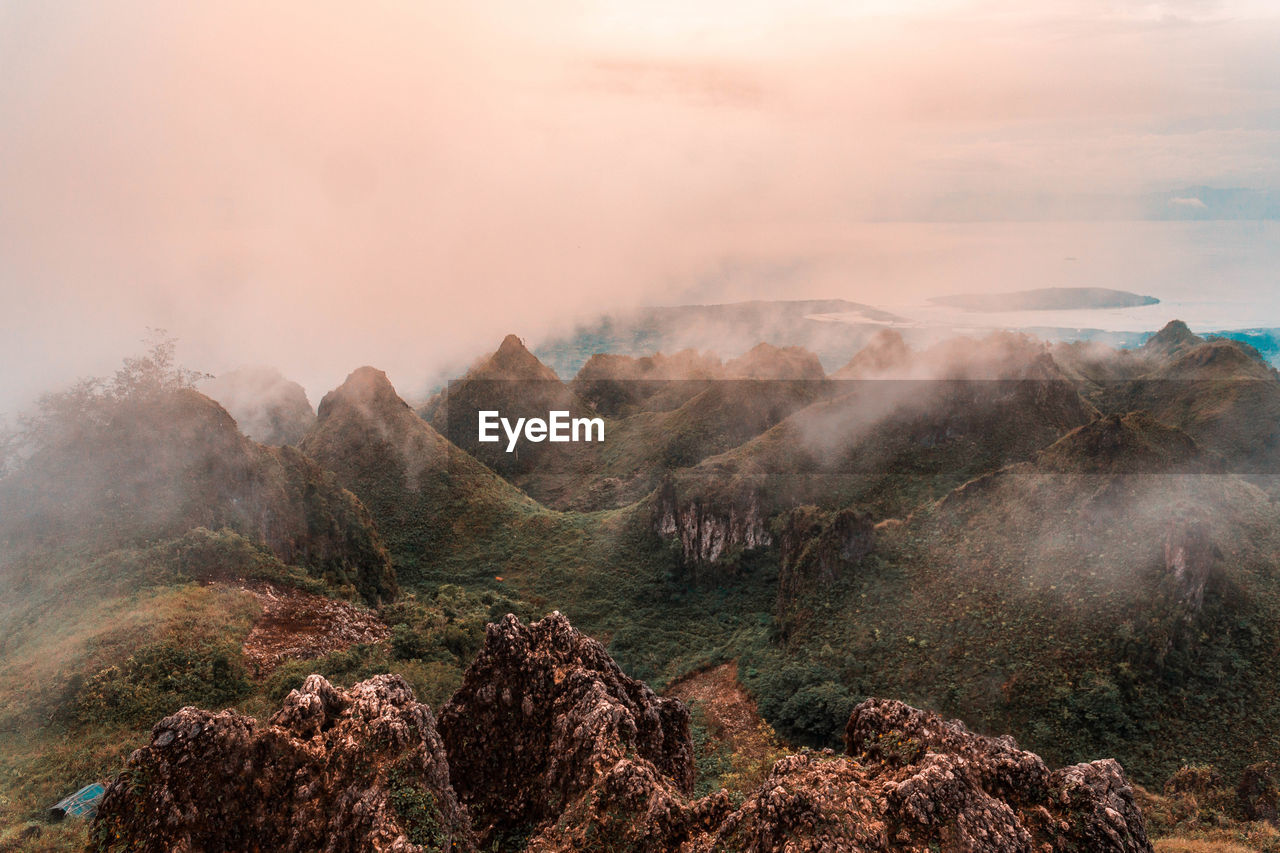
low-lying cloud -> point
(320, 185)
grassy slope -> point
(950, 610)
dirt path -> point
(296, 625)
(731, 714)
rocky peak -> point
(995, 796)
(366, 434)
(512, 360)
(540, 714)
(1175, 337)
(358, 769)
(366, 390)
(547, 746)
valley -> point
(1067, 543)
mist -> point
(314, 187)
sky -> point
(320, 185)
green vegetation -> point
(418, 810)
(1074, 594)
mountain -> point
(1220, 391)
(426, 495)
(267, 407)
(885, 446)
(728, 330)
(514, 383)
(619, 385)
(1118, 543)
(155, 466)
(1062, 542)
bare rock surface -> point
(542, 714)
(548, 746)
(334, 770)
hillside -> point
(153, 466)
(884, 446)
(429, 499)
(1221, 392)
(974, 528)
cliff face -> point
(816, 548)
(709, 531)
(355, 770)
(550, 747)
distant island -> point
(1046, 299)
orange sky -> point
(321, 184)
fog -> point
(318, 185)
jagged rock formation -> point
(1189, 555)
(334, 770)
(551, 748)
(975, 793)
(267, 407)
(156, 467)
(709, 530)
(541, 714)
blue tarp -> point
(83, 803)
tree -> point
(89, 403)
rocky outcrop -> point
(943, 784)
(333, 770)
(710, 530)
(551, 748)
(1189, 556)
(542, 715)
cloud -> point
(318, 185)
(1188, 202)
